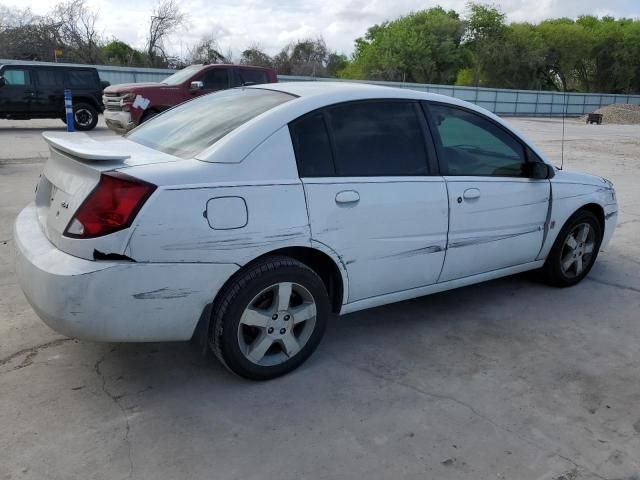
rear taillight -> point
(111, 206)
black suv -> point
(37, 91)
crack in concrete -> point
(31, 353)
(613, 284)
(117, 400)
(475, 412)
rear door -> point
(49, 84)
(372, 193)
(18, 93)
(497, 214)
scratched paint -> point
(389, 246)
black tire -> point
(85, 116)
(239, 294)
(552, 271)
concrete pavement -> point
(509, 379)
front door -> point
(18, 92)
(497, 215)
(370, 194)
(213, 80)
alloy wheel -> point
(577, 250)
(276, 324)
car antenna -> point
(564, 114)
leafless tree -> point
(166, 18)
(206, 50)
(76, 26)
(26, 36)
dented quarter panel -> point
(573, 190)
(174, 226)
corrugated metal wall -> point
(500, 101)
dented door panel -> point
(389, 232)
(494, 223)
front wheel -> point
(575, 250)
(270, 318)
(85, 117)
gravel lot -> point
(505, 380)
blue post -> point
(68, 109)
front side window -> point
(16, 77)
(377, 138)
(216, 79)
(475, 146)
(189, 128)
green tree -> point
(117, 52)
(421, 47)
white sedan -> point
(247, 217)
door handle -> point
(347, 196)
(471, 194)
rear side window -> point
(475, 146)
(251, 75)
(379, 138)
(312, 146)
(81, 78)
(16, 77)
(49, 78)
(189, 128)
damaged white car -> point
(250, 215)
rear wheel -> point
(270, 318)
(85, 116)
(575, 250)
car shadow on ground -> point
(171, 366)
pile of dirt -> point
(619, 113)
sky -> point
(238, 24)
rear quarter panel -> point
(173, 226)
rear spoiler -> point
(83, 146)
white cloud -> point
(272, 24)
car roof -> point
(47, 65)
(356, 89)
(313, 95)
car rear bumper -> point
(118, 121)
(114, 301)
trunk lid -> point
(75, 164)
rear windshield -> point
(186, 130)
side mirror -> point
(539, 170)
(197, 85)
(2, 82)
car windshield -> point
(181, 75)
(186, 130)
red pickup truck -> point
(128, 105)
